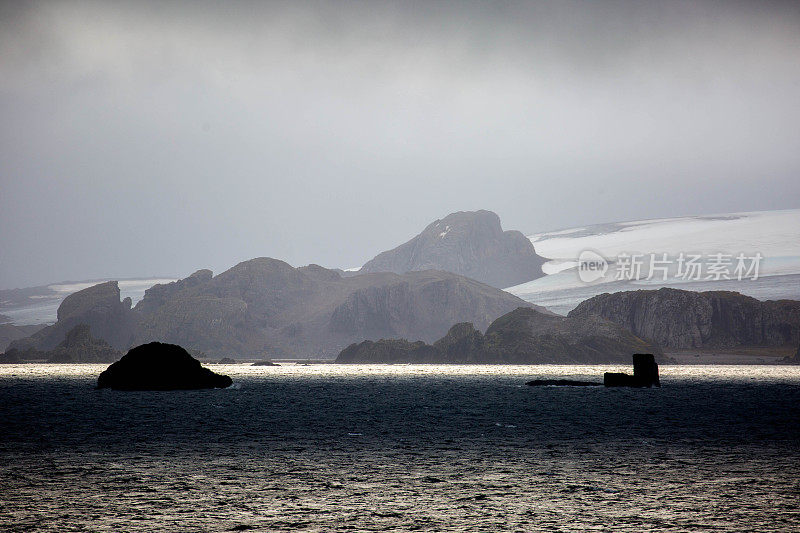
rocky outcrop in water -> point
(469, 243)
(676, 318)
(98, 307)
(645, 374)
(523, 336)
(389, 351)
(158, 366)
(265, 363)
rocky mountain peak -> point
(468, 243)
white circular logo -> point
(591, 266)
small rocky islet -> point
(159, 366)
(645, 375)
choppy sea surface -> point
(402, 448)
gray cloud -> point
(144, 139)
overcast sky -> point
(155, 139)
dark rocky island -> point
(523, 336)
(469, 243)
(645, 374)
(676, 318)
(159, 366)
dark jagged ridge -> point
(676, 318)
(159, 366)
(469, 243)
(523, 336)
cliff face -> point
(472, 244)
(685, 319)
(98, 307)
(523, 336)
(161, 293)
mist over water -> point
(382, 448)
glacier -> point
(773, 234)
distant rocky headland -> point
(523, 336)
(265, 308)
(469, 243)
(676, 318)
(98, 307)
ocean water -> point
(402, 448)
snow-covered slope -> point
(774, 235)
